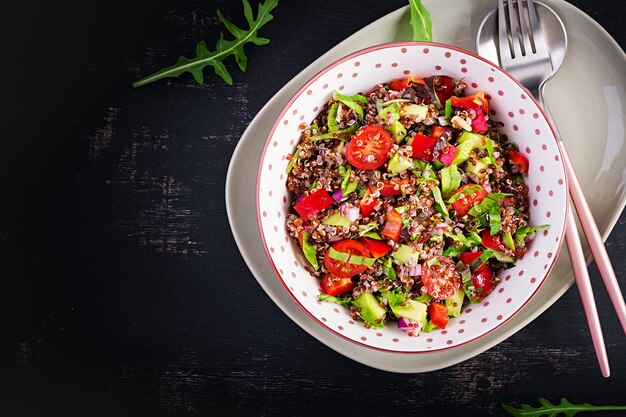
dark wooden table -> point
(122, 290)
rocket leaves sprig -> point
(564, 408)
(223, 48)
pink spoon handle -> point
(583, 283)
(595, 240)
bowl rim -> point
(304, 88)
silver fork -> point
(522, 47)
(524, 54)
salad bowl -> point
(522, 122)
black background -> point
(122, 290)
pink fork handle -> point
(583, 283)
(595, 240)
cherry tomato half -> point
(462, 206)
(336, 286)
(440, 278)
(378, 248)
(468, 257)
(369, 147)
(342, 269)
(483, 282)
(492, 242)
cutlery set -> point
(525, 55)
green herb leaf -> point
(343, 134)
(351, 102)
(393, 298)
(448, 110)
(439, 204)
(332, 118)
(495, 220)
(350, 258)
(223, 48)
(343, 301)
(552, 410)
(524, 231)
(420, 21)
(310, 253)
(388, 269)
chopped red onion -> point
(335, 239)
(441, 226)
(300, 198)
(350, 212)
(487, 187)
(415, 270)
(337, 195)
(442, 121)
(409, 326)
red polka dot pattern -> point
(523, 124)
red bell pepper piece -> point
(377, 248)
(479, 123)
(315, 202)
(468, 257)
(367, 203)
(423, 146)
(475, 100)
(447, 154)
(393, 226)
(519, 160)
(438, 314)
(462, 206)
(402, 83)
(393, 187)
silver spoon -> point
(552, 30)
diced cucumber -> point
(404, 253)
(397, 130)
(503, 257)
(398, 163)
(370, 309)
(455, 303)
(478, 167)
(412, 310)
(415, 110)
(337, 219)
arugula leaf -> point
(388, 269)
(344, 301)
(343, 134)
(310, 253)
(564, 407)
(495, 220)
(332, 118)
(420, 21)
(524, 231)
(223, 48)
(393, 298)
(351, 102)
(347, 186)
(439, 204)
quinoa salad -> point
(407, 202)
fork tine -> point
(504, 33)
(536, 35)
(526, 40)
(516, 41)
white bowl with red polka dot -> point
(524, 123)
